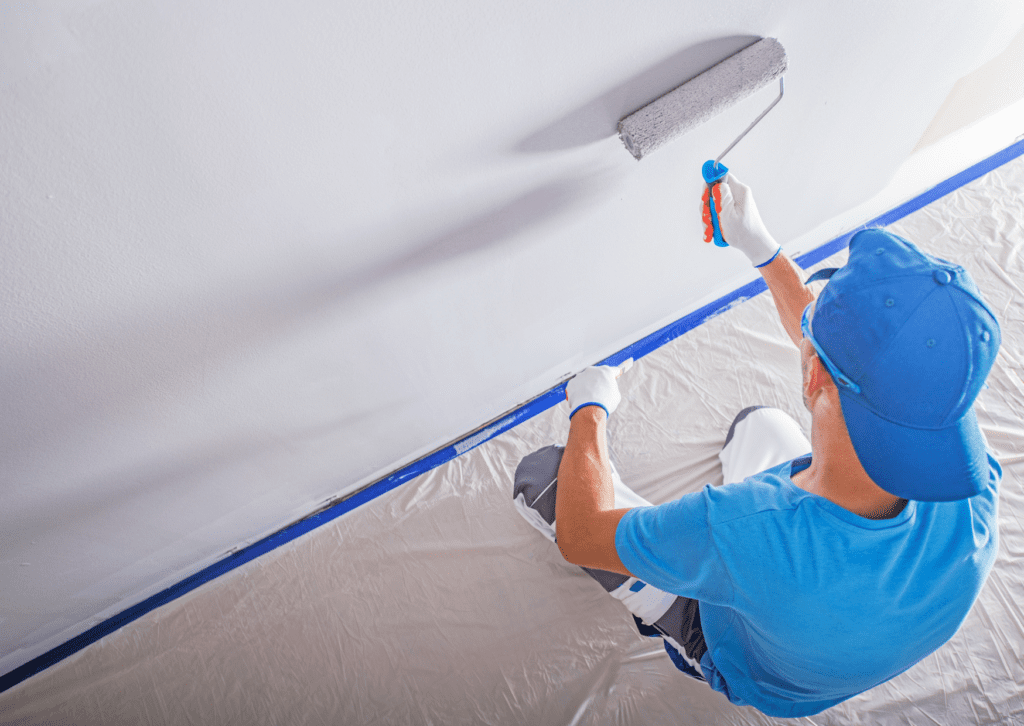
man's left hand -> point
(596, 386)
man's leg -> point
(760, 437)
(674, 618)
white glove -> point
(596, 386)
(741, 224)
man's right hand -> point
(740, 221)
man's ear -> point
(815, 376)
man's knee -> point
(760, 437)
(739, 417)
(536, 474)
(535, 487)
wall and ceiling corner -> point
(255, 257)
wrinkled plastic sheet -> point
(438, 604)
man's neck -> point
(836, 473)
(849, 495)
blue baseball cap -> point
(913, 342)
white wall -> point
(997, 84)
(254, 255)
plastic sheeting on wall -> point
(438, 604)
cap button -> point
(942, 277)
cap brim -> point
(929, 465)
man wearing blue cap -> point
(821, 568)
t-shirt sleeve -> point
(670, 546)
(985, 506)
(995, 471)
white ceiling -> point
(255, 255)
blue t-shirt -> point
(804, 604)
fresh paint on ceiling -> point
(257, 255)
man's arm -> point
(585, 517)
(791, 296)
(743, 229)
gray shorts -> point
(759, 438)
(536, 483)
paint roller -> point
(700, 99)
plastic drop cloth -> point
(438, 604)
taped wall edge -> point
(484, 433)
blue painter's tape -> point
(528, 410)
(938, 191)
